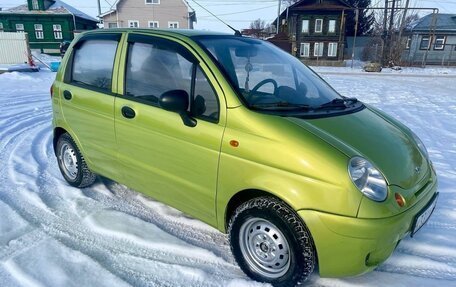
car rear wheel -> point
(271, 243)
(72, 164)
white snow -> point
(108, 235)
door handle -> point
(67, 95)
(128, 112)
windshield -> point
(266, 76)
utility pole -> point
(356, 33)
(385, 32)
(391, 29)
(99, 9)
(391, 24)
(402, 27)
(278, 17)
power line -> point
(235, 30)
(241, 12)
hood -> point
(385, 144)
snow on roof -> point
(60, 4)
(59, 7)
(443, 22)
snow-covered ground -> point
(108, 235)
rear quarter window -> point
(93, 63)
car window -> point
(93, 63)
(205, 104)
(157, 66)
(153, 69)
(267, 77)
(251, 72)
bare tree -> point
(256, 28)
(258, 24)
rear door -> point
(160, 155)
(88, 99)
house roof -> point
(114, 9)
(312, 5)
(58, 7)
(444, 22)
(317, 3)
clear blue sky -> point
(239, 13)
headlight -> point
(420, 145)
(367, 179)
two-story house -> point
(431, 41)
(47, 22)
(174, 14)
(316, 29)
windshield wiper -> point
(338, 103)
(281, 105)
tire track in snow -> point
(28, 136)
(17, 245)
(105, 250)
(214, 241)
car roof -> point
(178, 32)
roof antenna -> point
(236, 32)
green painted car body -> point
(303, 162)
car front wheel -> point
(271, 243)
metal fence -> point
(14, 48)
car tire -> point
(271, 243)
(72, 164)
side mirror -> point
(177, 101)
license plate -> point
(422, 217)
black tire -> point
(82, 176)
(301, 255)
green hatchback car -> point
(241, 135)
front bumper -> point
(348, 246)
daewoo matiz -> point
(243, 136)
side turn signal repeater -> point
(399, 199)
(234, 143)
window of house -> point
(408, 43)
(305, 50)
(19, 27)
(39, 31)
(153, 24)
(318, 49)
(425, 43)
(99, 75)
(152, 2)
(156, 68)
(1, 27)
(35, 5)
(133, 24)
(332, 26)
(57, 28)
(112, 25)
(173, 25)
(305, 26)
(439, 43)
(318, 25)
(332, 50)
